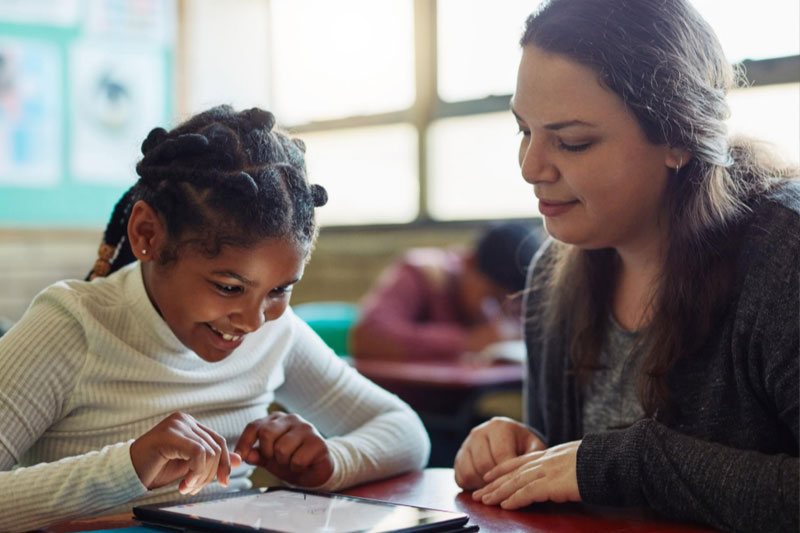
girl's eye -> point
(280, 291)
(574, 147)
(524, 132)
(227, 289)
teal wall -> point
(69, 202)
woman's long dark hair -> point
(665, 63)
(221, 178)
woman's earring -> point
(678, 166)
(144, 252)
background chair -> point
(331, 320)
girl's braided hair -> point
(222, 178)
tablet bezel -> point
(157, 515)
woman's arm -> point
(371, 433)
(687, 478)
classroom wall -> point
(344, 265)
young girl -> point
(155, 380)
(662, 318)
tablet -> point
(285, 510)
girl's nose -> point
(251, 318)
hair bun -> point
(300, 144)
(319, 194)
(260, 119)
(154, 138)
(243, 183)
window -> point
(403, 104)
(352, 57)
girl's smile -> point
(211, 304)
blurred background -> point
(403, 105)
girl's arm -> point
(74, 487)
(39, 361)
(371, 433)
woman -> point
(662, 317)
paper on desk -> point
(509, 351)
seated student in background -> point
(439, 304)
(154, 382)
(662, 317)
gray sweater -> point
(729, 458)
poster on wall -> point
(50, 12)
(30, 113)
(117, 96)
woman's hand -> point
(179, 447)
(534, 477)
(489, 445)
(289, 447)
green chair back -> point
(330, 320)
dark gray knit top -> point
(729, 455)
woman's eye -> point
(524, 132)
(227, 289)
(574, 147)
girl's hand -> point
(489, 445)
(179, 447)
(534, 477)
(289, 447)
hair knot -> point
(243, 183)
(154, 138)
(319, 195)
(260, 119)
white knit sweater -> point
(92, 366)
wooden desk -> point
(445, 395)
(436, 488)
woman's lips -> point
(554, 209)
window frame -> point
(428, 107)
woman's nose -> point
(535, 162)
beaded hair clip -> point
(102, 264)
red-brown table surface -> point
(436, 488)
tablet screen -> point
(295, 511)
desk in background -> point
(445, 395)
(436, 488)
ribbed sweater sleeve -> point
(690, 479)
(33, 390)
(371, 433)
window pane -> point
(754, 30)
(477, 36)
(370, 173)
(342, 58)
(771, 113)
(481, 36)
(473, 169)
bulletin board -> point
(81, 84)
